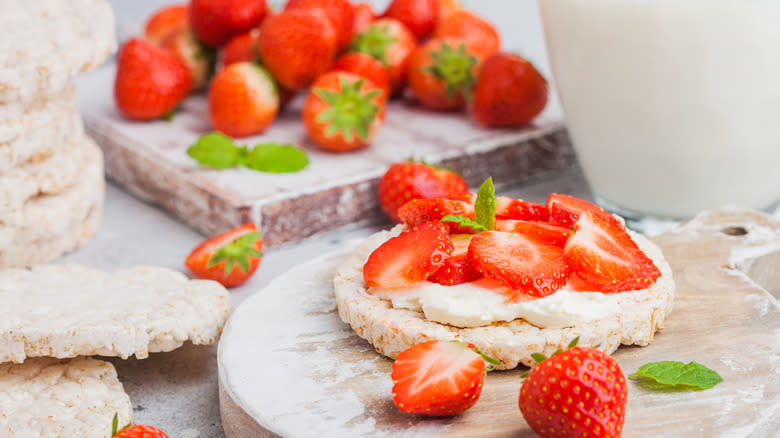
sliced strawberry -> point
(437, 378)
(520, 262)
(418, 211)
(456, 268)
(544, 231)
(565, 209)
(508, 208)
(409, 258)
(603, 254)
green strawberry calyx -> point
(237, 252)
(374, 42)
(350, 112)
(539, 357)
(454, 66)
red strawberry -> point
(437, 378)
(603, 254)
(409, 180)
(409, 258)
(364, 16)
(298, 46)
(456, 268)
(418, 15)
(198, 58)
(150, 81)
(166, 21)
(339, 12)
(242, 100)
(479, 35)
(442, 74)
(343, 111)
(523, 263)
(510, 92)
(241, 48)
(367, 67)
(508, 208)
(444, 9)
(140, 431)
(390, 42)
(215, 22)
(565, 209)
(418, 211)
(580, 392)
(543, 231)
(229, 258)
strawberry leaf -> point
(574, 342)
(216, 151)
(115, 425)
(464, 222)
(485, 205)
(538, 357)
(237, 252)
(679, 375)
(276, 158)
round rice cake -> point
(42, 133)
(58, 217)
(392, 330)
(46, 174)
(45, 397)
(46, 43)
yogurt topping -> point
(478, 303)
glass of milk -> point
(673, 105)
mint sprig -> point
(218, 151)
(678, 375)
(485, 207)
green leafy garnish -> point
(464, 222)
(220, 152)
(237, 252)
(275, 158)
(485, 207)
(679, 375)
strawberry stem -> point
(350, 111)
(237, 252)
(454, 67)
(374, 42)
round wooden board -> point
(288, 366)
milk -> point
(673, 105)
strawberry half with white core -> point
(438, 378)
(229, 258)
(602, 253)
(577, 392)
(409, 258)
(456, 268)
(544, 231)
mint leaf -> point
(275, 158)
(486, 205)
(464, 222)
(215, 150)
(678, 374)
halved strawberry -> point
(456, 268)
(409, 258)
(508, 208)
(566, 209)
(437, 378)
(544, 231)
(523, 263)
(603, 254)
(418, 211)
(229, 258)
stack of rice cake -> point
(51, 173)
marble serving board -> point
(288, 366)
(150, 160)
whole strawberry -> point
(198, 58)
(418, 15)
(297, 46)
(165, 21)
(479, 35)
(340, 13)
(216, 21)
(136, 431)
(442, 74)
(409, 180)
(575, 393)
(243, 100)
(438, 378)
(150, 81)
(392, 43)
(510, 92)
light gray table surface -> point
(177, 391)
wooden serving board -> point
(288, 366)
(150, 160)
